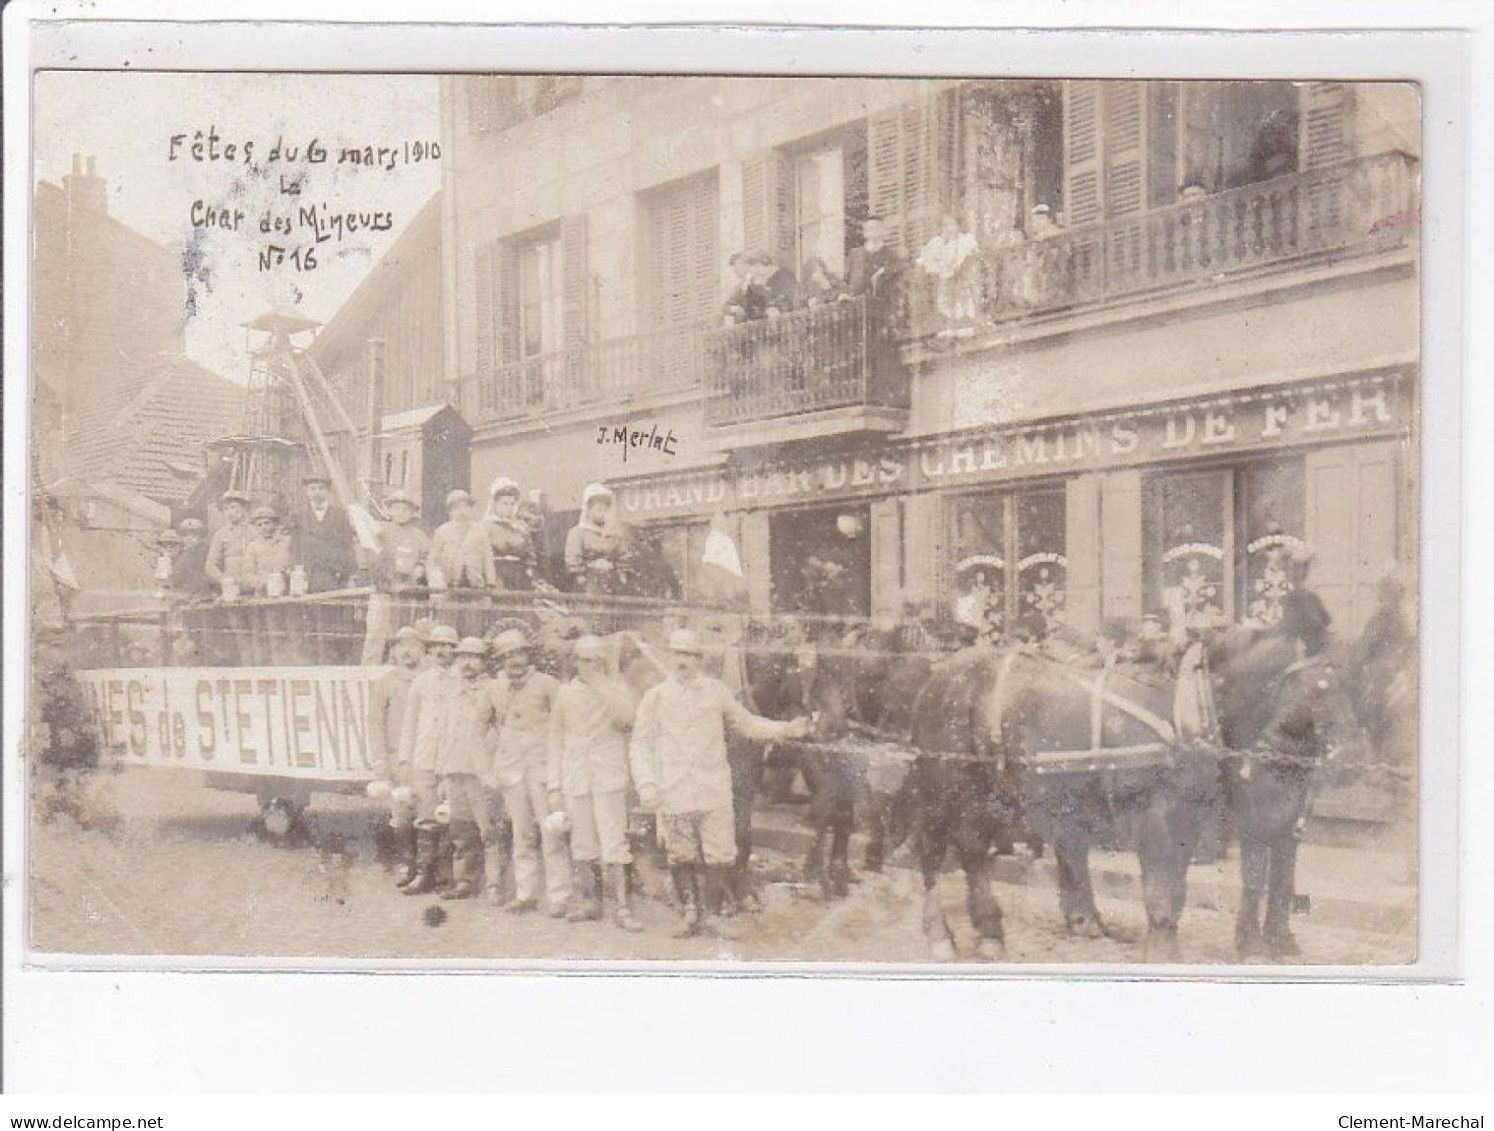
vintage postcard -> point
(510, 517)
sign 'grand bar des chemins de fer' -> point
(1319, 413)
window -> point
(1010, 566)
(540, 297)
(1222, 543)
(680, 548)
(829, 192)
(681, 227)
(1236, 133)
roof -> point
(146, 431)
(412, 418)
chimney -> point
(86, 191)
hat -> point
(684, 640)
(457, 496)
(409, 633)
(442, 634)
(400, 497)
(472, 646)
(235, 497)
(316, 477)
(503, 485)
(590, 647)
(1041, 210)
(260, 514)
(596, 491)
(509, 641)
(423, 627)
(191, 524)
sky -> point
(127, 120)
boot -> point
(687, 887)
(428, 845)
(492, 866)
(466, 860)
(624, 913)
(402, 853)
(588, 899)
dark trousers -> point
(745, 759)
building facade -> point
(1146, 340)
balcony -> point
(594, 374)
(1355, 208)
(829, 369)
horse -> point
(1003, 734)
(1284, 708)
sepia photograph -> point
(582, 519)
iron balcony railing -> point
(594, 373)
(1365, 205)
(840, 355)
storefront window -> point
(820, 562)
(1042, 567)
(1223, 544)
(1189, 567)
(1272, 500)
(676, 551)
(1009, 570)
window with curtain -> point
(1009, 558)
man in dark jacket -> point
(322, 537)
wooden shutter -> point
(705, 249)
(923, 531)
(1120, 547)
(886, 557)
(1125, 147)
(486, 325)
(1082, 549)
(884, 170)
(754, 547)
(912, 167)
(1324, 115)
(575, 283)
(1081, 138)
(1352, 499)
(768, 206)
(1125, 180)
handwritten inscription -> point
(636, 439)
(287, 236)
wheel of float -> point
(280, 819)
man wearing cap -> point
(592, 546)
(267, 553)
(678, 758)
(225, 556)
(189, 567)
(448, 552)
(322, 537)
(500, 548)
(422, 732)
(463, 764)
(588, 778)
(524, 698)
(386, 716)
(403, 546)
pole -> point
(375, 413)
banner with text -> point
(282, 721)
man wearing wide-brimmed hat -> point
(225, 556)
(189, 567)
(387, 701)
(403, 546)
(464, 762)
(267, 553)
(588, 777)
(422, 732)
(525, 697)
(448, 552)
(678, 758)
(322, 537)
(500, 548)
